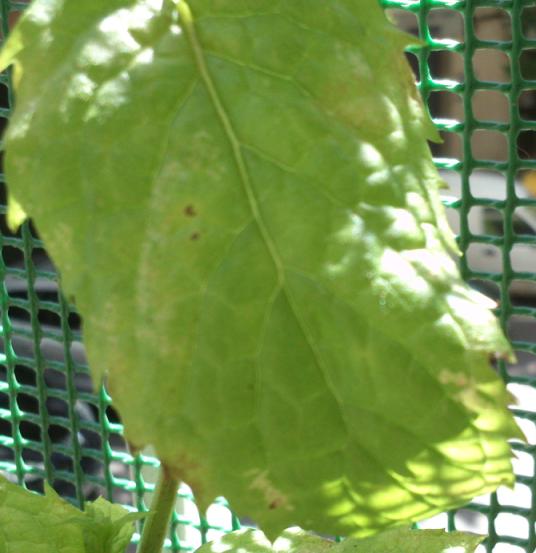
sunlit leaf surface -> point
(294, 540)
(240, 198)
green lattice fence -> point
(51, 424)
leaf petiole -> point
(156, 525)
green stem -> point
(156, 526)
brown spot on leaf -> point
(274, 498)
(502, 356)
(194, 236)
(190, 211)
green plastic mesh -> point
(53, 426)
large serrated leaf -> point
(294, 540)
(240, 197)
(47, 524)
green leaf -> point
(47, 524)
(403, 540)
(41, 524)
(240, 197)
(294, 540)
(108, 528)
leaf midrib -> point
(187, 23)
